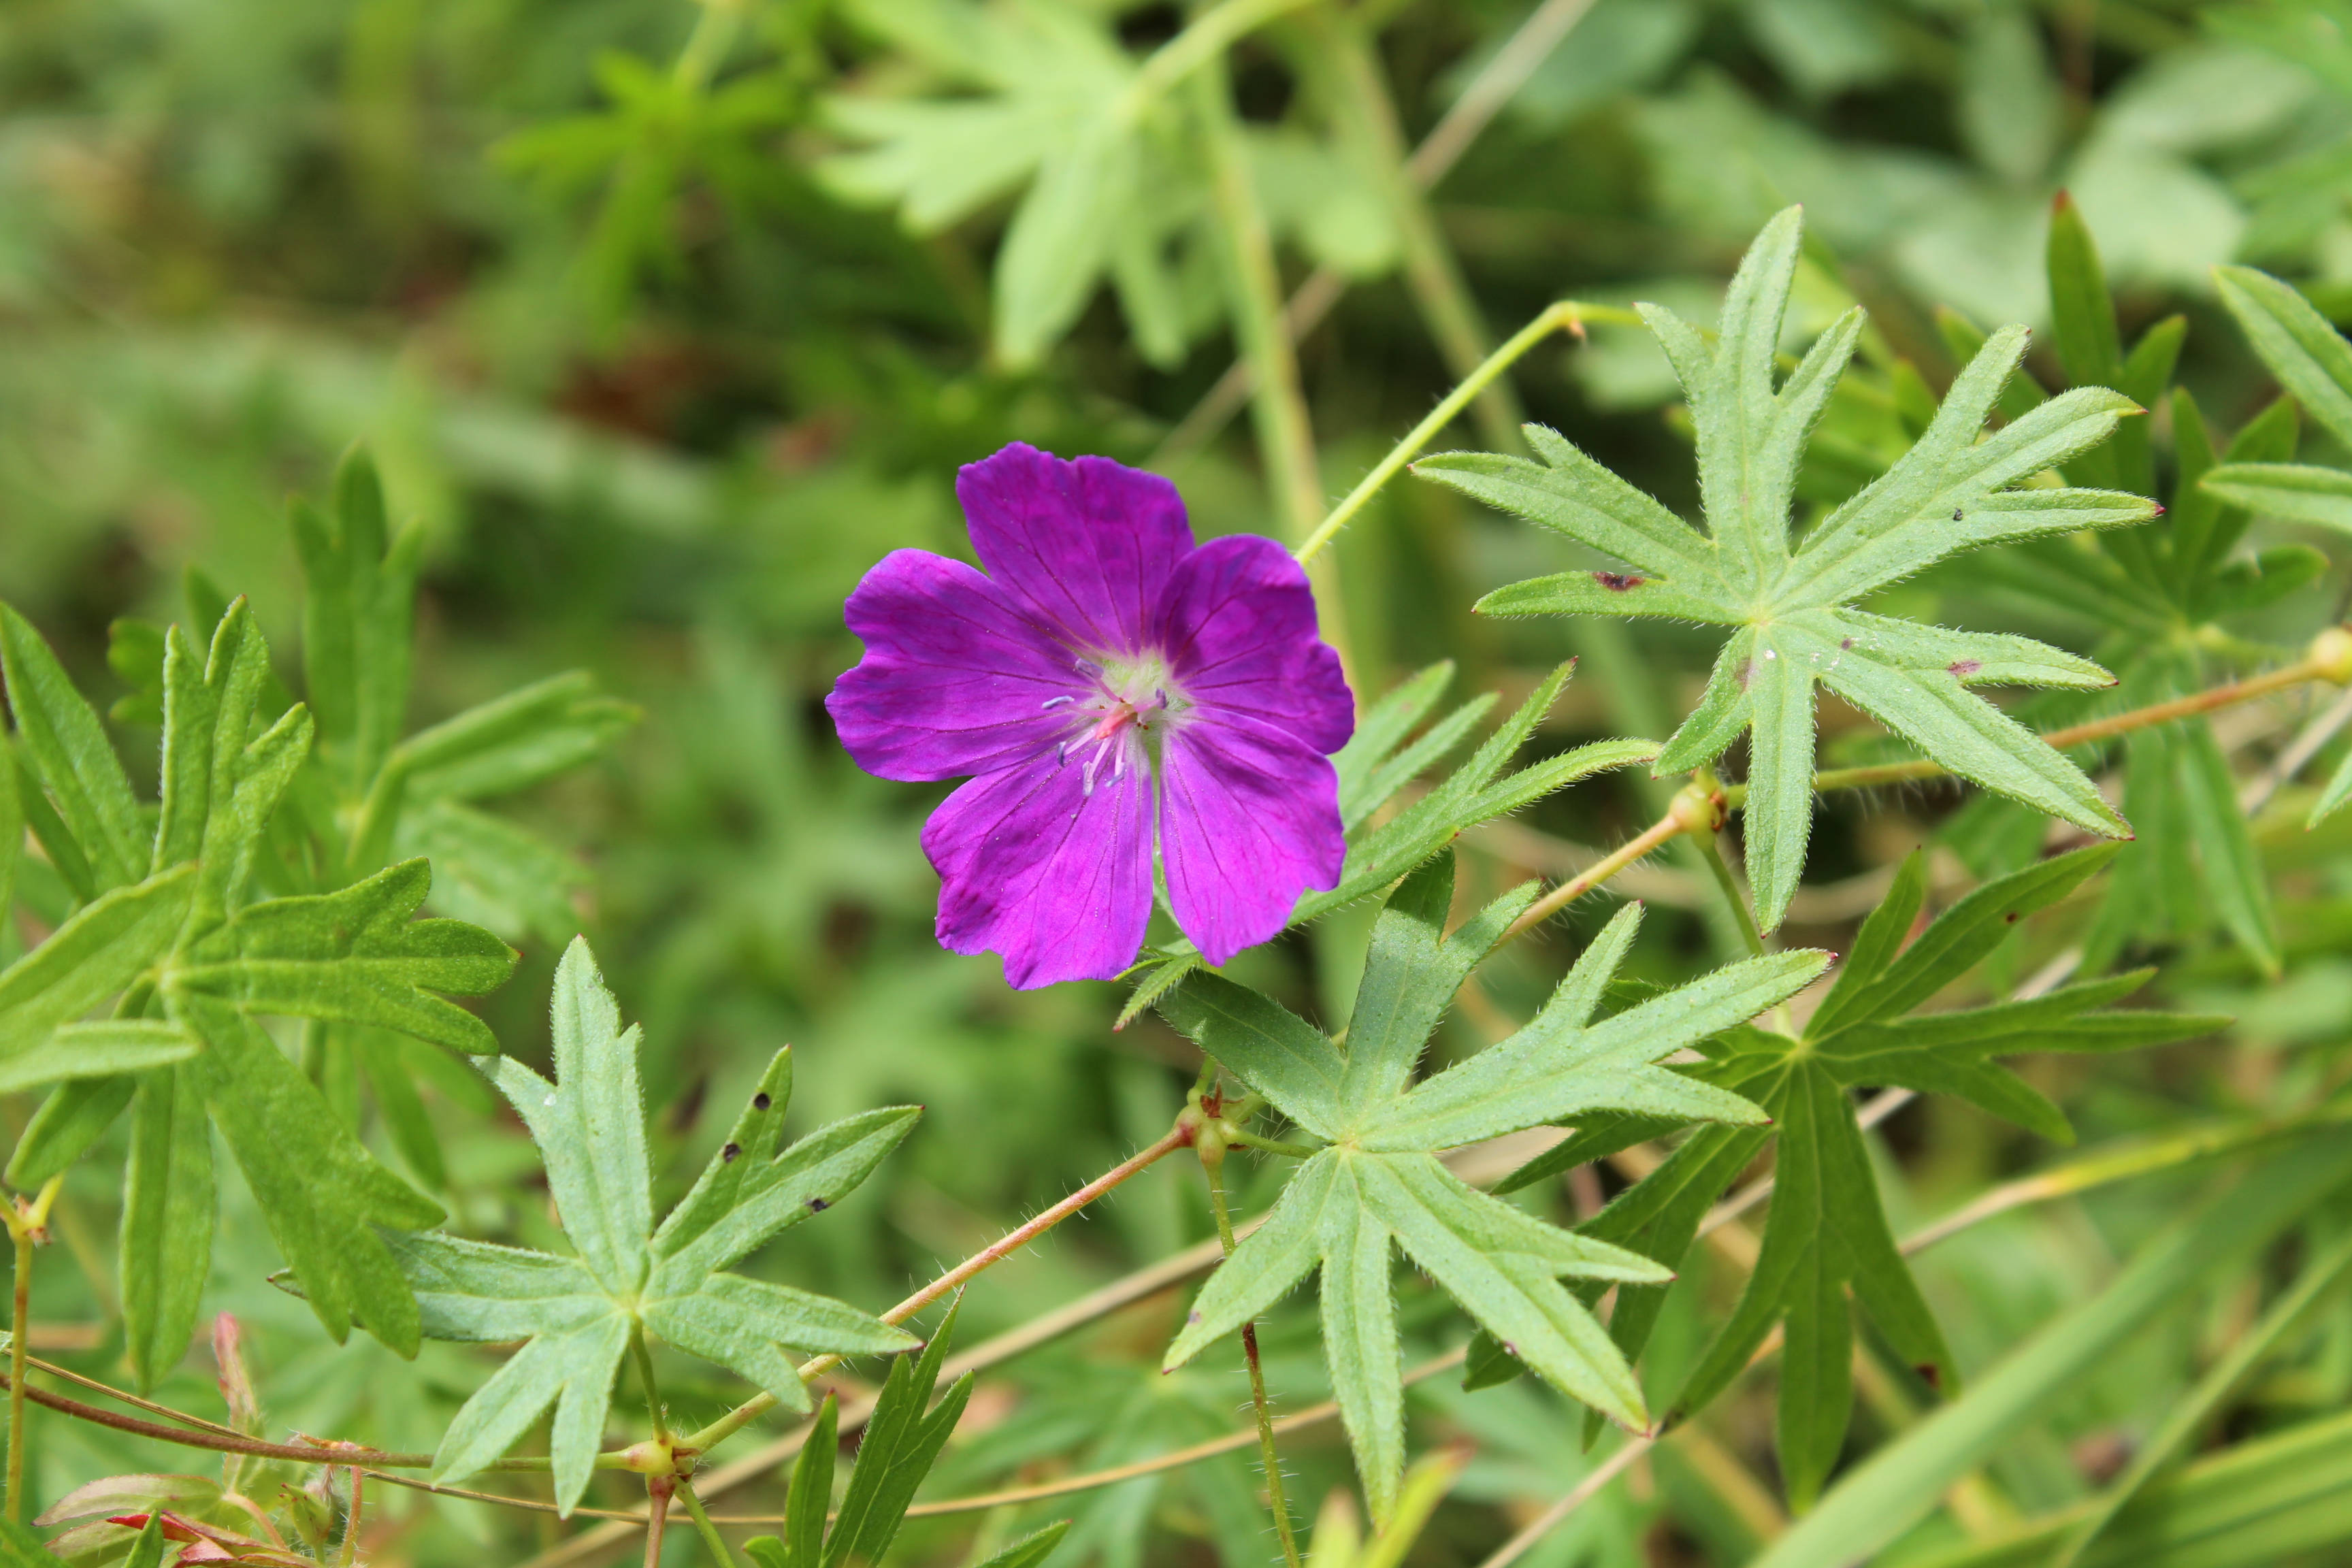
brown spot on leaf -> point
(818, 1206)
(1964, 668)
(1845, 643)
(729, 1152)
(760, 1101)
(1929, 1375)
(1616, 582)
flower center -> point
(1121, 716)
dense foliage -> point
(1848, 701)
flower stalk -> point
(1210, 1144)
(28, 1227)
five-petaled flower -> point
(1106, 683)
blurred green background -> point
(669, 322)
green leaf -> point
(1376, 763)
(2082, 315)
(357, 620)
(1411, 974)
(578, 1314)
(357, 956)
(147, 1551)
(2181, 1425)
(74, 1116)
(900, 1445)
(1573, 494)
(101, 952)
(812, 1489)
(488, 871)
(2247, 586)
(2307, 353)
(1897, 1484)
(590, 1124)
(1379, 1182)
(1373, 767)
(1030, 1549)
(1793, 626)
(2332, 798)
(60, 736)
(1281, 1055)
(513, 741)
(2230, 866)
(1477, 791)
(1826, 1233)
(218, 789)
(2294, 492)
(321, 1196)
(166, 1245)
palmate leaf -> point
(1378, 761)
(182, 958)
(1378, 1183)
(626, 1278)
(2157, 591)
(1826, 1233)
(1790, 611)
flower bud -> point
(2331, 653)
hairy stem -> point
(703, 1527)
(20, 1319)
(350, 1555)
(1575, 888)
(1213, 1161)
(2105, 728)
(1568, 315)
(1674, 824)
(28, 1225)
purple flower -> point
(1107, 684)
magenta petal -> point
(1237, 624)
(1086, 545)
(955, 677)
(1055, 879)
(1249, 819)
